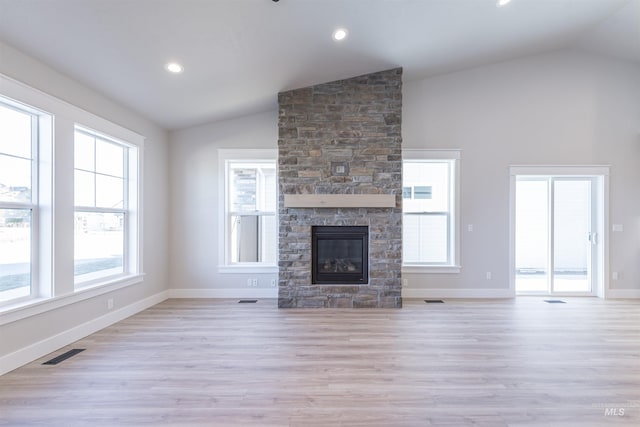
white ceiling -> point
(238, 54)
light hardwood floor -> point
(217, 362)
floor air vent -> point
(554, 301)
(64, 356)
(247, 301)
(434, 301)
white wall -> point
(561, 108)
(564, 108)
(195, 210)
(27, 337)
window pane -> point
(109, 158)
(98, 245)
(84, 189)
(430, 182)
(269, 192)
(15, 132)
(243, 189)
(15, 253)
(406, 192)
(100, 236)
(245, 238)
(422, 192)
(253, 187)
(109, 192)
(15, 179)
(572, 225)
(253, 200)
(253, 238)
(425, 239)
(427, 186)
(84, 155)
(268, 239)
(532, 235)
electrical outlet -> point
(249, 283)
(405, 282)
(615, 275)
(273, 283)
(488, 275)
(110, 304)
(470, 227)
(254, 283)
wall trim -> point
(39, 349)
(456, 293)
(623, 293)
(34, 307)
(224, 293)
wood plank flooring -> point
(204, 362)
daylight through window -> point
(429, 210)
(18, 201)
(251, 219)
(101, 206)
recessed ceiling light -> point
(501, 3)
(340, 34)
(174, 67)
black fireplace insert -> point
(339, 255)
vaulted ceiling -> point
(238, 54)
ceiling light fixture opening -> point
(174, 67)
(340, 34)
(501, 3)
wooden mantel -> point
(339, 201)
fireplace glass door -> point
(340, 255)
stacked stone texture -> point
(356, 122)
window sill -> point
(35, 306)
(431, 269)
(99, 282)
(247, 268)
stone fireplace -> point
(340, 158)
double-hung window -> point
(250, 205)
(429, 205)
(18, 200)
(103, 205)
(70, 203)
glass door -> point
(555, 238)
(572, 235)
(532, 235)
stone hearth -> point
(342, 137)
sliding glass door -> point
(555, 234)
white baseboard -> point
(35, 351)
(622, 293)
(273, 293)
(224, 293)
(456, 293)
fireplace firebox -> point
(339, 255)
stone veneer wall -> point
(355, 123)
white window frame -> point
(601, 173)
(41, 122)
(129, 209)
(54, 279)
(225, 157)
(453, 158)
